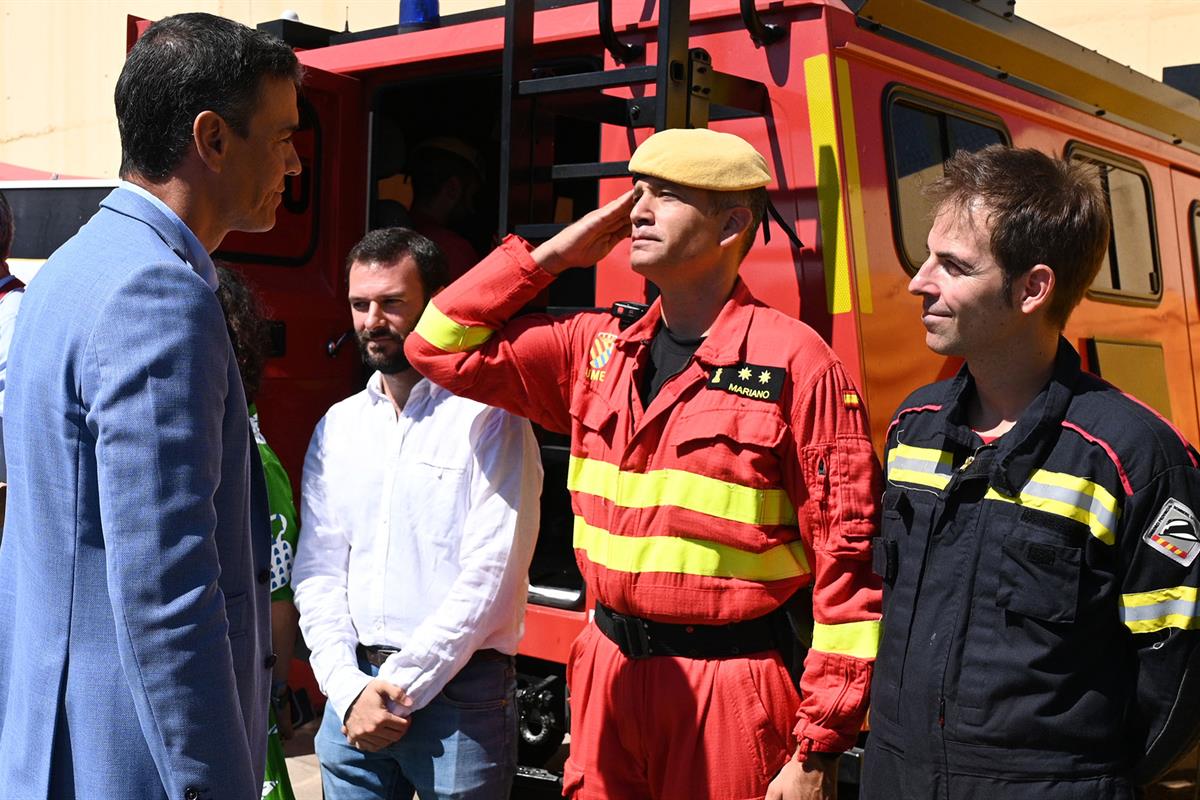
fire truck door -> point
(1186, 212)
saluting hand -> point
(588, 240)
(370, 723)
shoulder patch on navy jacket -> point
(749, 380)
(1174, 533)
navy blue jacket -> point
(1040, 601)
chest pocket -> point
(440, 490)
(1039, 577)
(735, 444)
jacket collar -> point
(723, 344)
(1020, 451)
(132, 201)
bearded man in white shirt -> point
(419, 516)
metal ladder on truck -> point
(688, 92)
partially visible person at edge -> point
(11, 292)
(720, 462)
(251, 343)
(135, 656)
(1039, 539)
(420, 516)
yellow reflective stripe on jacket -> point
(688, 556)
(921, 465)
(1055, 493)
(1147, 612)
(1069, 496)
(447, 335)
(858, 639)
(673, 487)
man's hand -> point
(814, 779)
(369, 725)
(588, 240)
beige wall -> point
(60, 58)
(1144, 34)
(59, 61)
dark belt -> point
(643, 638)
(377, 654)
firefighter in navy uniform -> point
(720, 461)
(1039, 534)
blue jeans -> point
(462, 746)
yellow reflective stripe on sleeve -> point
(858, 639)
(688, 556)
(1147, 612)
(921, 465)
(446, 334)
(673, 487)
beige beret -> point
(701, 158)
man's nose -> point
(374, 316)
(921, 283)
(292, 165)
(640, 213)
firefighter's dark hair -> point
(385, 247)
(1040, 210)
(247, 328)
(753, 199)
(7, 228)
(184, 65)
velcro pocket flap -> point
(1039, 579)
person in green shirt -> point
(248, 333)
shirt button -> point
(270, 660)
(264, 576)
(191, 793)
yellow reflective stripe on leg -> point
(1147, 612)
(858, 639)
(688, 556)
(673, 487)
(446, 334)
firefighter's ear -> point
(737, 220)
(1032, 291)
(210, 134)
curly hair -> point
(247, 327)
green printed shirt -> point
(285, 529)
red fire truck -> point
(855, 103)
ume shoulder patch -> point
(749, 380)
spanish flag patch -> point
(850, 399)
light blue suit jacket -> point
(134, 607)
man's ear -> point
(1034, 288)
(211, 135)
(737, 220)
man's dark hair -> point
(387, 246)
(184, 65)
(7, 228)
(753, 199)
(247, 328)
(1040, 210)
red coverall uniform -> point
(751, 474)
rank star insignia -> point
(749, 380)
(1174, 533)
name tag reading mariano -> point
(749, 380)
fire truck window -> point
(922, 138)
(1130, 267)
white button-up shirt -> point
(416, 533)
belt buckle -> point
(634, 636)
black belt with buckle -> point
(643, 638)
(377, 654)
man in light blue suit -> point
(134, 636)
